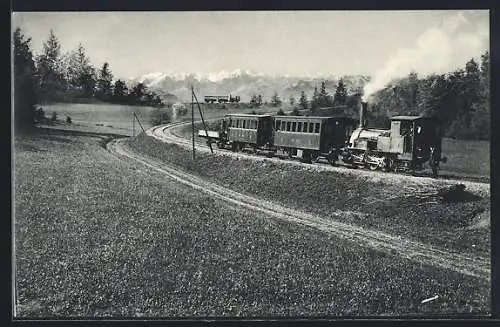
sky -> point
(294, 43)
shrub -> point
(54, 116)
(182, 111)
(158, 117)
(39, 114)
(68, 119)
(280, 112)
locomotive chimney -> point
(362, 114)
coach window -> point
(288, 126)
(316, 128)
(278, 125)
(294, 127)
(305, 127)
(311, 127)
(283, 126)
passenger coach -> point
(312, 137)
(245, 130)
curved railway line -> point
(166, 133)
(478, 267)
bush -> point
(158, 117)
(68, 119)
(54, 116)
(39, 114)
(182, 111)
(280, 112)
(295, 112)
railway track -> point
(478, 267)
(166, 133)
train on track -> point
(222, 98)
(410, 143)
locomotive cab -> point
(416, 140)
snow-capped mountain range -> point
(243, 83)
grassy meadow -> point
(98, 236)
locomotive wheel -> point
(389, 164)
(372, 166)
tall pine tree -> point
(303, 100)
(81, 74)
(50, 69)
(104, 86)
(24, 82)
(340, 96)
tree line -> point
(54, 77)
(459, 99)
(319, 98)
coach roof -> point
(247, 116)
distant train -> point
(222, 99)
(407, 145)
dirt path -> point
(415, 251)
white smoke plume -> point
(439, 49)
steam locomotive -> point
(410, 142)
(406, 146)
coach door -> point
(265, 130)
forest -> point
(52, 76)
(459, 99)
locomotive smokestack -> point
(362, 114)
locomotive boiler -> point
(410, 142)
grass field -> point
(96, 236)
(466, 157)
(386, 204)
(118, 118)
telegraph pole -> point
(204, 125)
(192, 117)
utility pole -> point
(203, 121)
(192, 118)
(133, 125)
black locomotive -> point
(410, 142)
